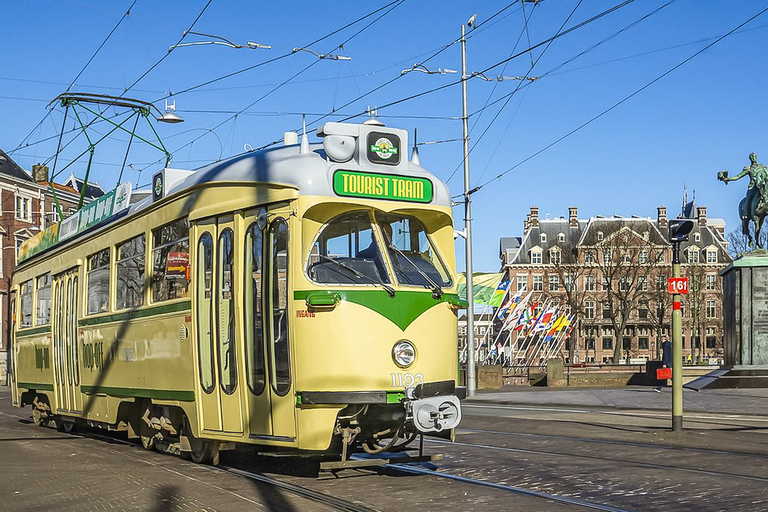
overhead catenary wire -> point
(622, 101)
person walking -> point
(666, 358)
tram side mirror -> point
(679, 229)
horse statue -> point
(754, 206)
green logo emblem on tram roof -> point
(382, 186)
(384, 148)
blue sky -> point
(707, 115)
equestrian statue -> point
(754, 206)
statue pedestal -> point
(745, 311)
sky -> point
(631, 102)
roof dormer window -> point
(599, 236)
(543, 238)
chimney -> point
(533, 217)
(573, 218)
(702, 215)
(40, 173)
(662, 217)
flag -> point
(526, 316)
(483, 286)
(500, 293)
(545, 319)
(511, 301)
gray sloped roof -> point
(11, 168)
(552, 228)
(607, 226)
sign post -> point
(678, 232)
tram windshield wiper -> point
(437, 292)
(390, 291)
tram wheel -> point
(64, 426)
(202, 454)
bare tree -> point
(696, 312)
(739, 243)
(659, 302)
(626, 261)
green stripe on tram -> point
(46, 329)
(158, 394)
(138, 313)
(36, 386)
(409, 305)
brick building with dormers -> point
(612, 272)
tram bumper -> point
(433, 407)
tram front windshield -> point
(351, 248)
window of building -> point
(711, 256)
(43, 300)
(711, 342)
(589, 283)
(625, 257)
(711, 309)
(554, 257)
(626, 343)
(538, 283)
(589, 309)
(131, 273)
(19, 240)
(561, 237)
(543, 238)
(607, 343)
(170, 256)
(536, 257)
(697, 237)
(624, 283)
(589, 343)
(24, 208)
(589, 257)
(606, 312)
(599, 236)
(522, 281)
(643, 257)
(26, 296)
(607, 256)
(693, 255)
(661, 283)
(642, 311)
(554, 283)
(711, 281)
(642, 283)
(642, 343)
(606, 283)
(570, 283)
(98, 282)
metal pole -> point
(471, 380)
(677, 347)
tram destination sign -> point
(382, 186)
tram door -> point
(217, 329)
(271, 404)
(66, 373)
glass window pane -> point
(170, 258)
(204, 316)
(252, 309)
(281, 376)
(226, 312)
(347, 252)
(43, 300)
(98, 282)
(26, 297)
(413, 256)
(130, 273)
(73, 324)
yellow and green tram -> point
(300, 298)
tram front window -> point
(347, 251)
(412, 253)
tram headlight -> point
(404, 353)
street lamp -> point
(170, 117)
(220, 41)
(330, 56)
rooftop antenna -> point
(304, 141)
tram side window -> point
(130, 273)
(225, 307)
(281, 376)
(43, 300)
(25, 297)
(170, 257)
(204, 310)
(98, 282)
